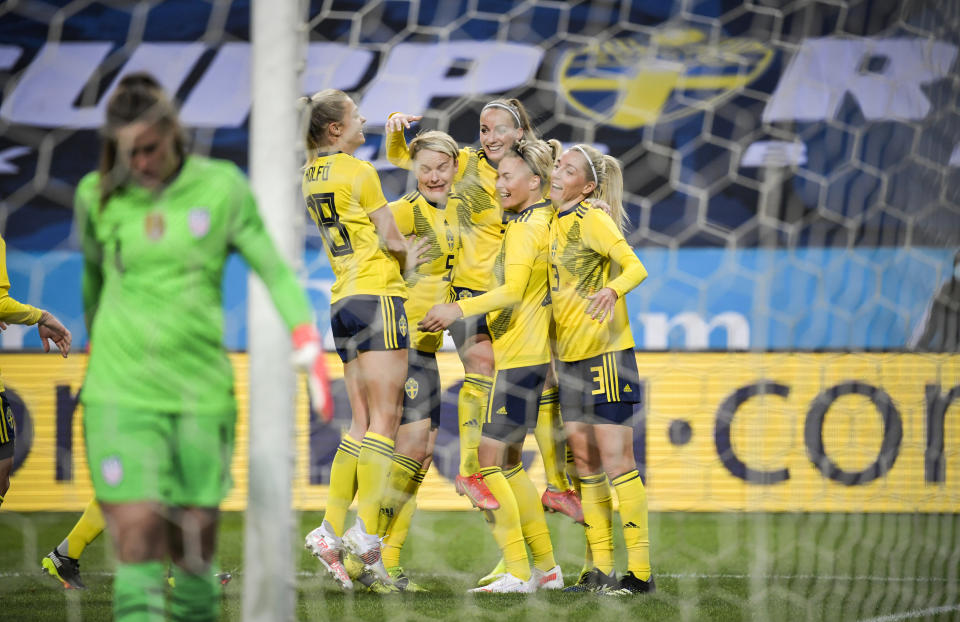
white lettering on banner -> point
(657, 327)
(334, 66)
(7, 167)
(774, 153)
(825, 69)
(414, 73)
(46, 94)
(9, 55)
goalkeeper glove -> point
(308, 356)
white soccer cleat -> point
(506, 584)
(367, 547)
(546, 580)
(328, 548)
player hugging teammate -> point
(516, 261)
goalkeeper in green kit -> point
(157, 227)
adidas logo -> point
(631, 525)
(502, 410)
(627, 389)
(387, 511)
(471, 423)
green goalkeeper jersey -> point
(153, 267)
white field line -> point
(914, 613)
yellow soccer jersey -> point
(518, 309)
(479, 215)
(430, 284)
(587, 253)
(12, 310)
(340, 191)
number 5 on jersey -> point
(324, 212)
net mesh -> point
(791, 183)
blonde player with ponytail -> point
(518, 315)
(592, 268)
(480, 225)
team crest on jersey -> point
(464, 294)
(198, 220)
(403, 326)
(111, 468)
(154, 226)
(412, 387)
(632, 82)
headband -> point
(507, 108)
(589, 161)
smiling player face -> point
(351, 128)
(435, 172)
(569, 182)
(497, 133)
(517, 186)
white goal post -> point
(277, 55)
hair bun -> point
(138, 79)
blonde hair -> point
(606, 172)
(517, 112)
(322, 108)
(539, 156)
(433, 140)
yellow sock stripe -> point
(349, 442)
(409, 464)
(485, 471)
(479, 383)
(373, 443)
(590, 480)
(422, 473)
(550, 396)
(513, 470)
(626, 477)
(353, 450)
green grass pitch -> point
(718, 567)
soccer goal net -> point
(791, 186)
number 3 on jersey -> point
(324, 211)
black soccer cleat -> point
(64, 569)
(630, 584)
(595, 580)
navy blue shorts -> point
(8, 432)
(600, 389)
(514, 402)
(467, 327)
(363, 323)
(421, 391)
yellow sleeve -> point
(367, 189)
(11, 310)
(403, 214)
(520, 246)
(397, 152)
(601, 234)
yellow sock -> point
(86, 530)
(597, 516)
(532, 522)
(398, 529)
(575, 483)
(402, 471)
(549, 441)
(505, 524)
(373, 465)
(343, 484)
(471, 406)
(636, 531)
